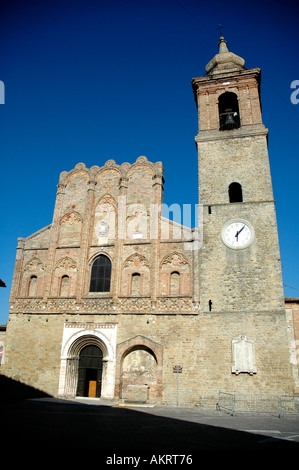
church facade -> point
(113, 300)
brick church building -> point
(113, 300)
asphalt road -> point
(37, 429)
(114, 432)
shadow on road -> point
(111, 430)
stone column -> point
(155, 233)
(120, 236)
(85, 242)
(53, 240)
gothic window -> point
(175, 283)
(135, 284)
(135, 275)
(64, 286)
(100, 274)
(70, 229)
(175, 276)
(229, 115)
(32, 290)
(235, 192)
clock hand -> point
(238, 233)
(241, 229)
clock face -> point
(237, 234)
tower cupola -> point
(224, 61)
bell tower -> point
(242, 314)
(239, 262)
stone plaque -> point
(243, 355)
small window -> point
(32, 289)
(229, 115)
(64, 286)
(235, 192)
(175, 283)
(100, 275)
(135, 285)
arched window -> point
(229, 115)
(64, 286)
(235, 192)
(32, 288)
(135, 285)
(175, 283)
(100, 275)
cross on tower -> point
(220, 28)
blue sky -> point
(86, 81)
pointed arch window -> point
(64, 286)
(235, 192)
(135, 284)
(175, 283)
(100, 278)
(32, 288)
(229, 114)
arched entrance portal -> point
(90, 370)
(87, 366)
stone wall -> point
(164, 321)
(2, 342)
(292, 316)
(56, 261)
(200, 343)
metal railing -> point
(278, 405)
(289, 404)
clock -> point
(237, 234)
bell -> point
(229, 120)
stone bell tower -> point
(240, 278)
(240, 260)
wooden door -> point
(92, 389)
